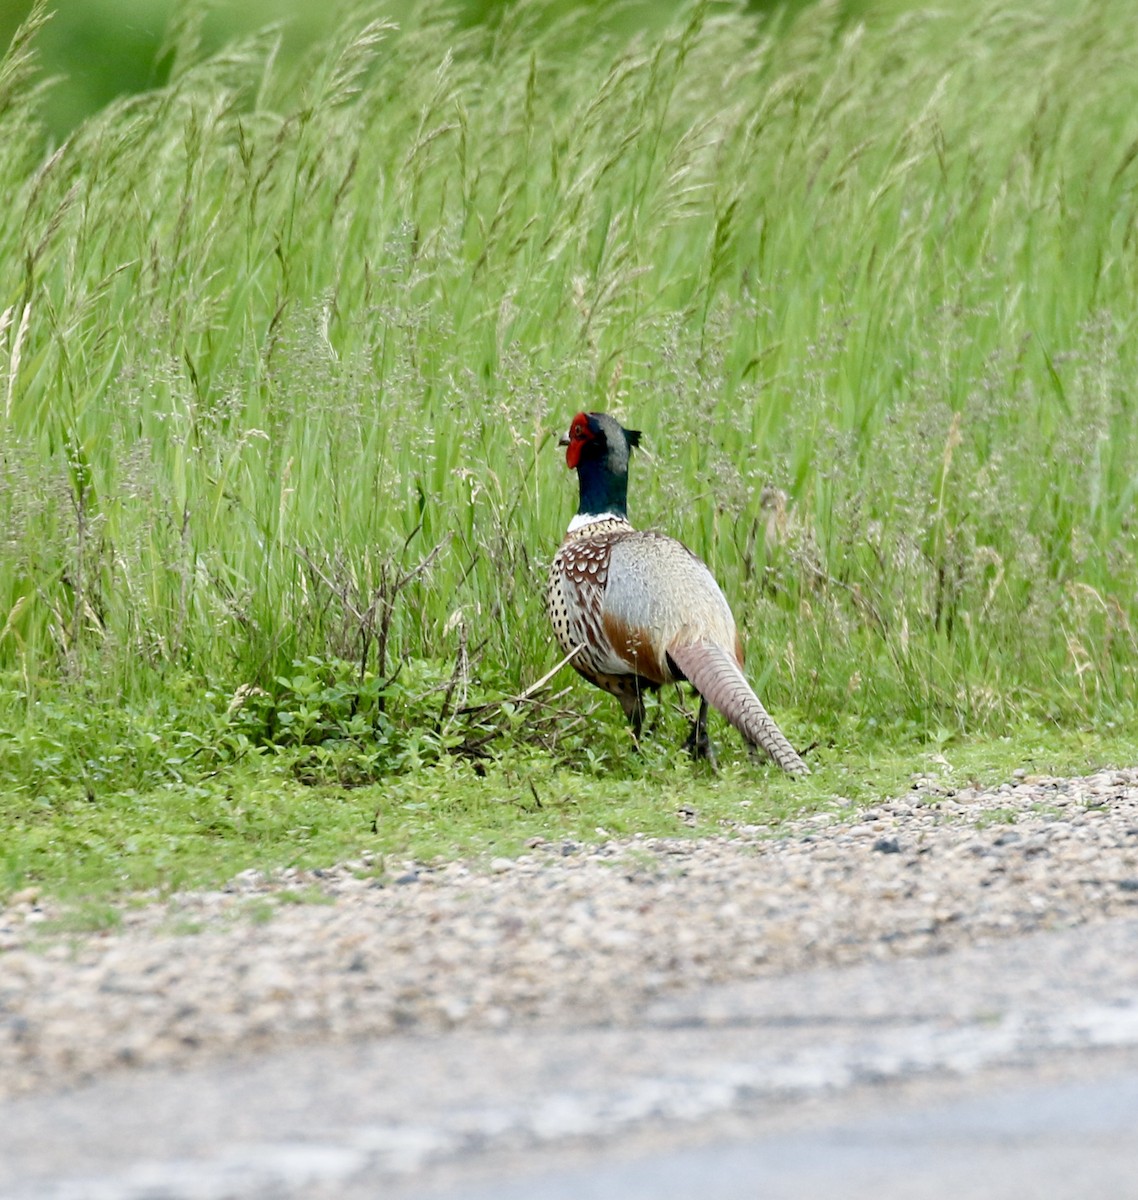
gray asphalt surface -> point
(1043, 1142)
(1000, 1070)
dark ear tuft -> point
(633, 436)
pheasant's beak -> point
(563, 440)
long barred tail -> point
(714, 673)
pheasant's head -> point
(598, 449)
(597, 437)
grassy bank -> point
(284, 355)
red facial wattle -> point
(579, 434)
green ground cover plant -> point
(285, 351)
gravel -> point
(565, 933)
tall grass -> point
(284, 355)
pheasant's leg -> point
(698, 743)
(633, 705)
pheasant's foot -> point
(699, 745)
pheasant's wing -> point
(576, 602)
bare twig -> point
(521, 697)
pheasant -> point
(637, 609)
